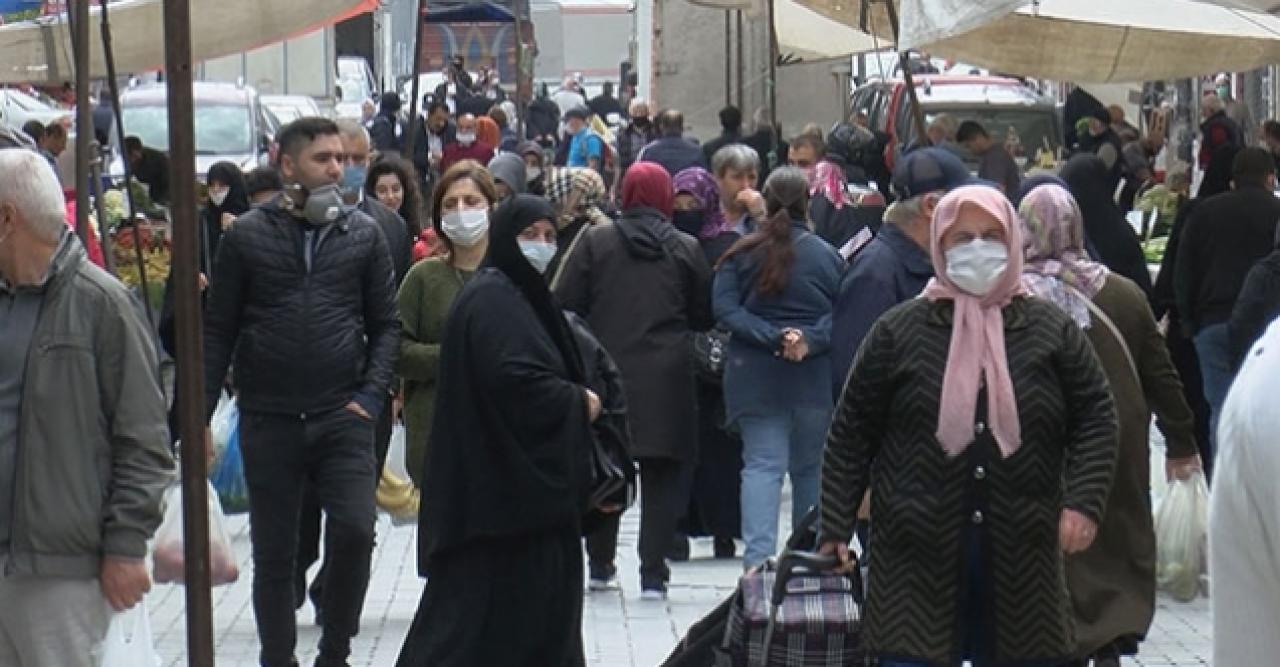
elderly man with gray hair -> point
(84, 445)
(895, 265)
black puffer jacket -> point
(310, 331)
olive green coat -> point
(425, 299)
(1113, 584)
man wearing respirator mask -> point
(305, 300)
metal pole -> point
(190, 387)
(84, 115)
(741, 99)
(773, 70)
(917, 114)
(522, 105)
(728, 58)
(409, 143)
(109, 59)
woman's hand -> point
(1076, 531)
(227, 220)
(794, 346)
(1182, 469)
(593, 405)
(844, 561)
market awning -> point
(40, 51)
(803, 33)
(475, 11)
(1093, 40)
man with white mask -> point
(465, 145)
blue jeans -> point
(773, 445)
(1213, 348)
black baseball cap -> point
(928, 170)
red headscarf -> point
(488, 132)
(648, 185)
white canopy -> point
(1094, 40)
(41, 51)
(808, 35)
(802, 32)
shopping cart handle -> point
(791, 562)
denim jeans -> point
(773, 445)
(1213, 348)
(333, 454)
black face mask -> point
(640, 122)
(689, 222)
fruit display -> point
(157, 259)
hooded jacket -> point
(1258, 305)
(643, 286)
(509, 169)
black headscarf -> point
(1217, 177)
(236, 203)
(509, 220)
(1105, 227)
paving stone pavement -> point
(619, 629)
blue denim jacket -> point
(756, 378)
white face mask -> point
(466, 226)
(466, 139)
(218, 196)
(977, 266)
(538, 253)
(533, 173)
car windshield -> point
(286, 113)
(26, 102)
(1022, 131)
(221, 129)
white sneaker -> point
(654, 594)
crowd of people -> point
(964, 380)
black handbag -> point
(710, 353)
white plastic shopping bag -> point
(224, 421)
(1182, 524)
(396, 494)
(169, 561)
(129, 642)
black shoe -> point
(679, 550)
(725, 548)
(653, 591)
(603, 578)
(322, 661)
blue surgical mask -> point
(353, 177)
(538, 254)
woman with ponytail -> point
(774, 291)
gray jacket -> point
(93, 456)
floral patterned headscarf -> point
(829, 180)
(701, 185)
(1057, 267)
(590, 189)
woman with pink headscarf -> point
(982, 422)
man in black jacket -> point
(672, 151)
(731, 126)
(1224, 237)
(305, 300)
(355, 144)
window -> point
(221, 129)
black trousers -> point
(664, 496)
(332, 453)
(602, 547)
(1182, 351)
(309, 523)
(714, 503)
(514, 602)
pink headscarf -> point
(977, 331)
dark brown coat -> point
(923, 502)
(1113, 584)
